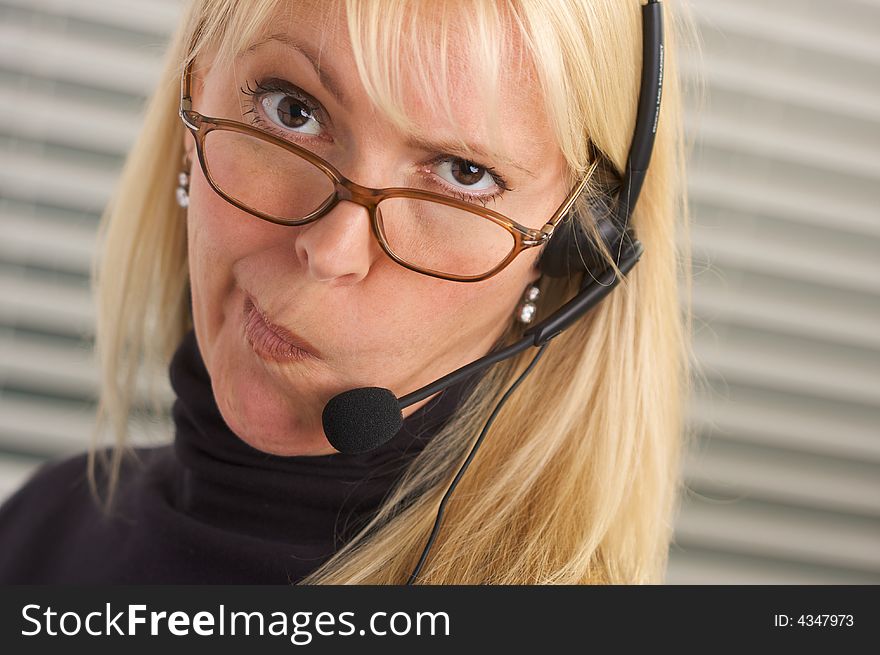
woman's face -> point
(371, 321)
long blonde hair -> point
(578, 481)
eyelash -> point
(481, 199)
(270, 87)
(315, 109)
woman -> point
(502, 107)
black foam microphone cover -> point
(359, 420)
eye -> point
(288, 112)
(285, 106)
(466, 174)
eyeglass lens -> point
(277, 182)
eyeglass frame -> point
(524, 237)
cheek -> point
(473, 311)
(219, 233)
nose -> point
(339, 247)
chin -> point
(292, 446)
(257, 409)
(269, 427)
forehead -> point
(429, 68)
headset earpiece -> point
(571, 250)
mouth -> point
(271, 341)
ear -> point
(189, 154)
(535, 269)
(536, 275)
(197, 85)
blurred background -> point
(784, 483)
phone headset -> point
(362, 419)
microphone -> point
(362, 419)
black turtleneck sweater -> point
(208, 508)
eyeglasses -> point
(427, 232)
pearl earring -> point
(527, 308)
(183, 189)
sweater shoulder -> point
(53, 506)
(52, 482)
(61, 480)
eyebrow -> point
(465, 151)
(326, 77)
(328, 80)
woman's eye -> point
(467, 174)
(290, 113)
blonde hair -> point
(578, 480)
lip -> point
(272, 341)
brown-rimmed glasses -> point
(427, 232)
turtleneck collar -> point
(314, 501)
